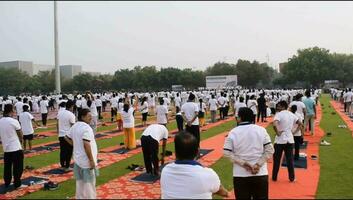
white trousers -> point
(86, 190)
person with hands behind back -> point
(85, 151)
(248, 146)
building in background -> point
(41, 67)
(281, 66)
(24, 66)
(69, 71)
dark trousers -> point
(65, 153)
(179, 119)
(13, 166)
(113, 113)
(277, 156)
(273, 111)
(195, 131)
(253, 187)
(262, 113)
(150, 148)
(297, 142)
(99, 109)
(226, 109)
(44, 118)
(221, 113)
(104, 104)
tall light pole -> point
(56, 50)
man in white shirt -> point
(190, 111)
(162, 113)
(19, 107)
(11, 138)
(248, 146)
(26, 119)
(150, 146)
(85, 153)
(65, 120)
(99, 104)
(43, 105)
(283, 124)
(222, 104)
(239, 104)
(213, 108)
(186, 178)
(297, 133)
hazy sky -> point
(105, 36)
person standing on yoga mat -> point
(150, 146)
(65, 120)
(11, 138)
(283, 124)
(297, 132)
(186, 178)
(310, 115)
(85, 152)
(127, 116)
(248, 146)
(26, 119)
(190, 112)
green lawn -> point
(336, 161)
(67, 189)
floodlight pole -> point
(56, 50)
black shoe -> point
(274, 179)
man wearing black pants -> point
(249, 158)
(190, 111)
(261, 101)
(150, 146)
(65, 120)
(283, 124)
(11, 137)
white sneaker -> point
(325, 143)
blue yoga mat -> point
(145, 178)
(301, 163)
(204, 152)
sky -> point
(107, 36)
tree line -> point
(308, 68)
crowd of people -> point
(248, 145)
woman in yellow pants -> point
(127, 116)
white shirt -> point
(65, 118)
(19, 108)
(8, 134)
(144, 107)
(78, 132)
(98, 102)
(201, 182)
(300, 107)
(44, 106)
(26, 123)
(190, 109)
(93, 109)
(161, 112)
(156, 131)
(247, 143)
(213, 104)
(252, 104)
(237, 106)
(222, 101)
(298, 133)
(286, 120)
(128, 118)
(178, 101)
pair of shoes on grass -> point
(325, 143)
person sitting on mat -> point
(150, 146)
(186, 178)
(249, 147)
(283, 123)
